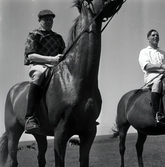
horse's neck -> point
(86, 52)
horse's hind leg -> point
(139, 147)
(13, 134)
(122, 137)
(42, 148)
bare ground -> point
(104, 153)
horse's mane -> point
(78, 4)
(72, 32)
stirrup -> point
(160, 118)
(31, 129)
(156, 117)
(32, 118)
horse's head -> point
(102, 8)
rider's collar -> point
(42, 29)
(150, 47)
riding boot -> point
(33, 98)
(159, 117)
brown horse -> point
(72, 102)
(135, 109)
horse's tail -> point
(3, 149)
(115, 130)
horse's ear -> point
(78, 4)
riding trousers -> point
(155, 85)
(36, 73)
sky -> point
(122, 41)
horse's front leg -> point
(42, 148)
(60, 140)
(139, 148)
(86, 141)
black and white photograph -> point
(82, 83)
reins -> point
(162, 73)
(86, 28)
(152, 79)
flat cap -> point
(45, 12)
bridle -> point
(90, 6)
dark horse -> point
(72, 101)
(135, 109)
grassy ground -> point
(104, 153)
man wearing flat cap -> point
(43, 49)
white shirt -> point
(153, 56)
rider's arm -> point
(40, 59)
(154, 67)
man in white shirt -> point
(152, 62)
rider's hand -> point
(163, 66)
(60, 56)
(56, 59)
